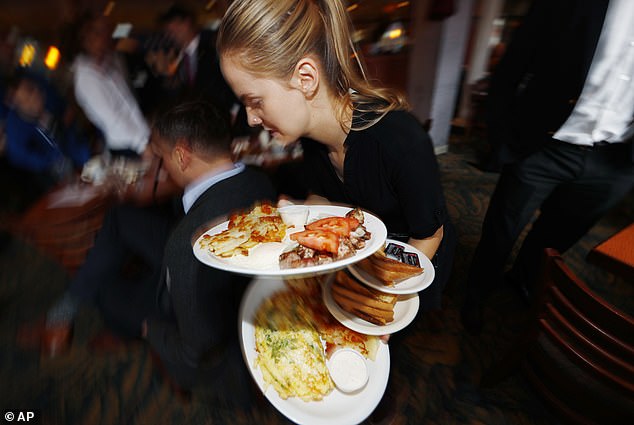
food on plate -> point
(263, 256)
(318, 240)
(295, 334)
(366, 303)
(340, 226)
(348, 370)
(326, 240)
(266, 237)
(290, 353)
(332, 332)
(294, 216)
(261, 224)
(388, 270)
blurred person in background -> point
(192, 71)
(560, 122)
(102, 90)
(37, 138)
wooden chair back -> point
(581, 355)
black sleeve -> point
(513, 73)
(415, 178)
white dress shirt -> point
(105, 97)
(605, 109)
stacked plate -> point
(406, 305)
(337, 408)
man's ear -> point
(306, 77)
(182, 154)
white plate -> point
(405, 311)
(371, 223)
(337, 408)
(408, 286)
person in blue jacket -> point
(37, 140)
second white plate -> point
(404, 312)
(337, 408)
(408, 286)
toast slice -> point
(388, 270)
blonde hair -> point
(269, 37)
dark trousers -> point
(122, 269)
(571, 186)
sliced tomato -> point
(341, 226)
(319, 240)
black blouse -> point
(390, 169)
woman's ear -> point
(306, 77)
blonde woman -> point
(292, 64)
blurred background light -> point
(52, 58)
(27, 54)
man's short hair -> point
(200, 124)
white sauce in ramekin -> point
(348, 370)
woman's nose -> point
(253, 120)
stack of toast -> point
(367, 303)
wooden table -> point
(616, 254)
(64, 222)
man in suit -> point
(195, 329)
(560, 124)
(197, 74)
(186, 310)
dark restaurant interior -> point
(440, 54)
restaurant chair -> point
(578, 352)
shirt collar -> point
(204, 182)
(192, 46)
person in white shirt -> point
(561, 113)
(103, 93)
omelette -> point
(290, 352)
